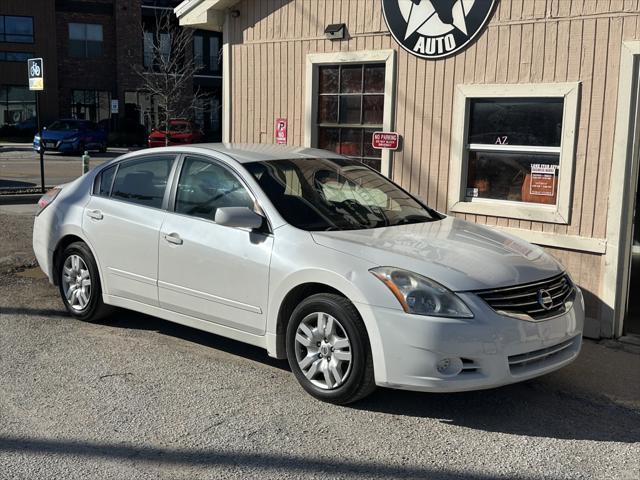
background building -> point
(529, 128)
(91, 49)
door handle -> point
(173, 238)
(95, 214)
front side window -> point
(85, 40)
(320, 194)
(205, 186)
(513, 149)
(143, 181)
(16, 29)
(350, 106)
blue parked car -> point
(71, 136)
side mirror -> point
(238, 217)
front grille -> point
(523, 362)
(524, 301)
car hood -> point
(457, 254)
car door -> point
(209, 271)
(122, 222)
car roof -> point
(249, 152)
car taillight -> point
(47, 199)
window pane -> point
(351, 142)
(106, 178)
(204, 187)
(328, 109)
(328, 79)
(513, 176)
(374, 78)
(94, 32)
(19, 25)
(536, 122)
(77, 48)
(94, 49)
(373, 108)
(143, 182)
(77, 31)
(329, 139)
(198, 51)
(350, 109)
(214, 53)
(351, 79)
(369, 151)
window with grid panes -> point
(350, 108)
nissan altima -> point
(314, 257)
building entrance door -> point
(632, 320)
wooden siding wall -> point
(527, 41)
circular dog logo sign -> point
(436, 28)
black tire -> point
(95, 309)
(359, 381)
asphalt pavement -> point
(20, 166)
(136, 397)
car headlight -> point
(71, 140)
(420, 295)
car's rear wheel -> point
(79, 283)
(328, 349)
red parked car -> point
(181, 132)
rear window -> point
(144, 181)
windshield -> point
(179, 127)
(64, 125)
(336, 194)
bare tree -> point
(168, 69)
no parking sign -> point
(281, 131)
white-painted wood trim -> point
(559, 213)
(365, 56)
(226, 81)
(566, 242)
(624, 172)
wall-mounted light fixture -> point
(335, 31)
(235, 13)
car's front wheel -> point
(328, 349)
(79, 283)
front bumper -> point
(57, 146)
(495, 350)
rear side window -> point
(143, 181)
(103, 182)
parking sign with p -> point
(36, 73)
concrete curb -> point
(20, 198)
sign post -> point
(35, 68)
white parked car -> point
(314, 257)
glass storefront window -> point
(17, 106)
(91, 105)
(350, 108)
(513, 149)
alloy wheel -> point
(323, 350)
(76, 282)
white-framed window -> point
(512, 150)
(350, 95)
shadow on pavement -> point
(306, 466)
(543, 407)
